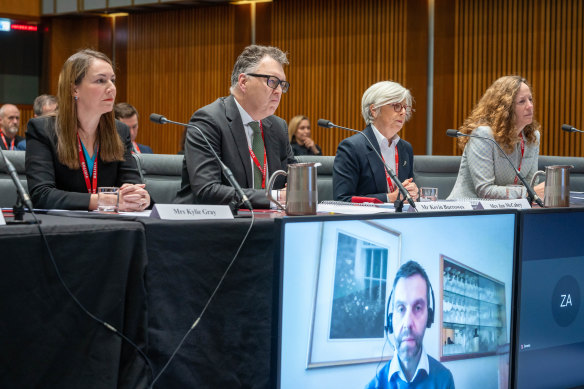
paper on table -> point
(351, 209)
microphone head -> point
(156, 118)
(324, 123)
(567, 128)
(452, 133)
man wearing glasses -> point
(243, 131)
(358, 170)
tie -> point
(257, 146)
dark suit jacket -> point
(145, 149)
(202, 181)
(53, 185)
(17, 140)
(358, 171)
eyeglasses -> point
(272, 81)
(398, 107)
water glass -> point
(428, 194)
(108, 198)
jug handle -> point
(271, 184)
(537, 173)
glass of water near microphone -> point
(428, 194)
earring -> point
(75, 98)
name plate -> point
(442, 206)
(191, 212)
(2, 221)
(504, 204)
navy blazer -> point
(358, 170)
(53, 185)
(220, 121)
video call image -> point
(337, 280)
(551, 315)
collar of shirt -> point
(383, 141)
(395, 366)
(246, 119)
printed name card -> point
(504, 204)
(2, 221)
(191, 212)
(442, 206)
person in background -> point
(128, 115)
(358, 170)
(9, 124)
(82, 147)
(243, 131)
(299, 133)
(42, 105)
(505, 114)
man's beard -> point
(11, 131)
(407, 353)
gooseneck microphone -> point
(22, 194)
(159, 119)
(569, 128)
(531, 193)
(404, 192)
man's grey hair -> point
(250, 58)
(41, 101)
(383, 93)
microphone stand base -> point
(235, 206)
(398, 205)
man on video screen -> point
(408, 316)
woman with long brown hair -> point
(82, 147)
(504, 114)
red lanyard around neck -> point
(136, 148)
(521, 160)
(6, 144)
(91, 186)
(257, 162)
(387, 177)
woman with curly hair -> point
(504, 114)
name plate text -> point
(191, 212)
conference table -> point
(148, 278)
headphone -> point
(389, 320)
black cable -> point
(198, 319)
(80, 305)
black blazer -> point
(202, 181)
(53, 185)
(358, 171)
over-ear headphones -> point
(389, 319)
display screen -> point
(337, 275)
(550, 345)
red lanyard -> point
(90, 188)
(521, 160)
(136, 148)
(6, 144)
(257, 162)
(389, 183)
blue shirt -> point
(88, 161)
(437, 377)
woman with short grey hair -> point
(358, 171)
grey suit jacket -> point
(485, 173)
(220, 121)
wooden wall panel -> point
(67, 36)
(178, 61)
(540, 40)
(337, 49)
